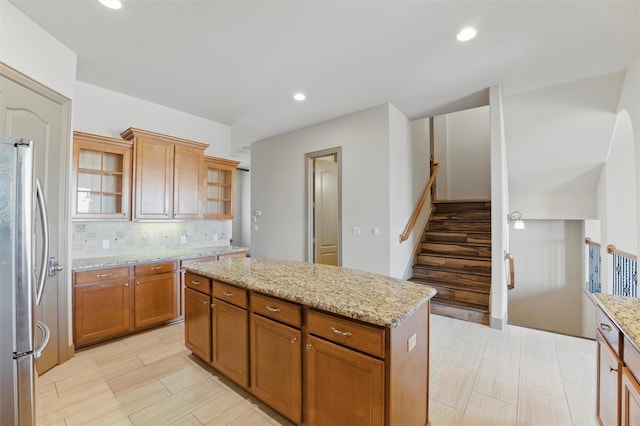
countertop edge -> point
(630, 336)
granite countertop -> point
(372, 298)
(100, 262)
(625, 312)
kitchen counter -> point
(372, 298)
(100, 262)
(625, 312)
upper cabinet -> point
(168, 176)
(220, 187)
(101, 177)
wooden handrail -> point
(590, 242)
(512, 271)
(611, 249)
(414, 217)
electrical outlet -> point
(183, 239)
(105, 244)
(215, 237)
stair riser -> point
(445, 294)
(459, 313)
(458, 237)
(480, 266)
(461, 207)
(456, 250)
(467, 216)
(460, 226)
(455, 277)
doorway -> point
(324, 213)
(32, 111)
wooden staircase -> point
(455, 259)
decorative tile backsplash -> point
(99, 239)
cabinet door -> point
(609, 377)
(197, 323)
(219, 187)
(343, 386)
(276, 366)
(187, 183)
(153, 179)
(156, 299)
(231, 341)
(101, 311)
(630, 399)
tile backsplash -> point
(99, 239)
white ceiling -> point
(240, 62)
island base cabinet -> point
(343, 386)
(197, 323)
(156, 299)
(230, 327)
(630, 399)
(608, 384)
(276, 366)
(101, 311)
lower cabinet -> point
(230, 327)
(276, 366)
(630, 399)
(609, 376)
(197, 323)
(156, 294)
(343, 386)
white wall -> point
(549, 269)
(278, 189)
(108, 113)
(462, 143)
(242, 221)
(28, 48)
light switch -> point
(376, 232)
(105, 244)
(355, 231)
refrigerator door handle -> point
(44, 219)
(45, 340)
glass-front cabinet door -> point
(101, 177)
(220, 187)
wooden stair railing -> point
(414, 217)
(512, 271)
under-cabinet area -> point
(618, 361)
(249, 319)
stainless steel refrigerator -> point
(22, 278)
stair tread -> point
(461, 305)
(449, 269)
(478, 288)
(454, 256)
(454, 243)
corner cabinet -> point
(101, 177)
(168, 176)
(220, 187)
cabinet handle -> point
(126, 284)
(227, 293)
(213, 305)
(272, 309)
(137, 282)
(195, 282)
(155, 268)
(341, 333)
(612, 369)
(293, 340)
(309, 346)
(103, 275)
(605, 327)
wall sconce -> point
(515, 217)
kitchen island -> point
(320, 344)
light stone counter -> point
(625, 312)
(372, 298)
(102, 262)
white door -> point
(326, 212)
(28, 114)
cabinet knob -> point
(126, 284)
(293, 340)
(137, 282)
(309, 346)
(612, 369)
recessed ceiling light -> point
(111, 4)
(299, 96)
(466, 34)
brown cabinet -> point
(156, 294)
(230, 327)
(343, 386)
(167, 176)
(197, 323)
(630, 399)
(101, 177)
(276, 366)
(187, 262)
(220, 187)
(101, 305)
(609, 375)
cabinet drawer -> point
(155, 268)
(356, 335)
(230, 294)
(275, 308)
(632, 358)
(97, 275)
(609, 330)
(198, 283)
(187, 262)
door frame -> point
(309, 178)
(65, 343)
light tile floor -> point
(479, 376)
